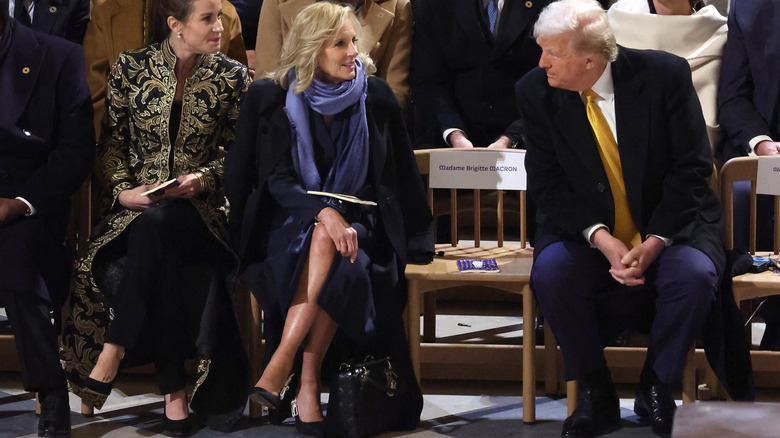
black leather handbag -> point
(366, 400)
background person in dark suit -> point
(46, 150)
(463, 73)
(625, 211)
(749, 115)
(63, 18)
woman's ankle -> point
(176, 405)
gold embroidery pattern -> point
(135, 148)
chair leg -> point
(429, 317)
(37, 404)
(529, 348)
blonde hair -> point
(586, 20)
(311, 29)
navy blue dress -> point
(348, 293)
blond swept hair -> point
(315, 25)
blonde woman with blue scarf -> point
(317, 264)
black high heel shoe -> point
(267, 398)
(94, 392)
(313, 428)
(181, 427)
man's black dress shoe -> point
(598, 407)
(55, 414)
(654, 403)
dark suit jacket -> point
(263, 137)
(63, 18)
(47, 143)
(749, 89)
(663, 147)
(463, 76)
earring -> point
(178, 35)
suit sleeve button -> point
(601, 187)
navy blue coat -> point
(47, 141)
(749, 89)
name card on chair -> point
(478, 169)
(768, 176)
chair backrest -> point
(744, 169)
(495, 212)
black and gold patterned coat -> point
(135, 148)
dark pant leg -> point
(24, 293)
(686, 282)
(161, 241)
(566, 279)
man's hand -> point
(502, 142)
(11, 210)
(612, 248)
(767, 147)
(637, 261)
(458, 140)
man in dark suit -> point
(63, 18)
(464, 69)
(46, 150)
(749, 115)
(618, 165)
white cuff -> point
(667, 242)
(755, 141)
(588, 232)
(30, 207)
(447, 133)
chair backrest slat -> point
(481, 201)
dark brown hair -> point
(158, 13)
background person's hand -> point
(11, 210)
(458, 140)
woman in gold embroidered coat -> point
(170, 107)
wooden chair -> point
(749, 286)
(514, 260)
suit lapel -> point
(46, 14)
(515, 19)
(470, 16)
(632, 116)
(572, 122)
(17, 83)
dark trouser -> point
(584, 305)
(28, 301)
(152, 294)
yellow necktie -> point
(625, 229)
